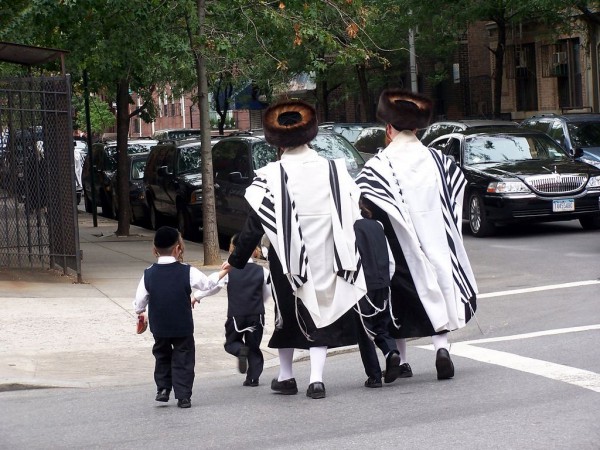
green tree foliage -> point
(101, 117)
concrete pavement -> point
(55, 332)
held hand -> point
(194, 301)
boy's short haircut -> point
(165, 238)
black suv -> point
(579, 134)
(173, 185)
(104, 169)
(437, 129)
(236, 158)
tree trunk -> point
(122, 163)
(499, 70)
(366, 112)
(211, 237)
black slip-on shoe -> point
(392, 367)
(184, 403)
(252, 383)
(373, 382)
(243, 359)
(163, 395)
(285, 387)
(443, 365)
(405, 371)
(316, 390)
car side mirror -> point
(163, 171)
(236, 177)
(577, 152)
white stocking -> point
(440, 341)
(401, 344)
(286, 356)
(317, 363)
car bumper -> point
(507, 209)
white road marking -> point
(577, 377)
(538, 289)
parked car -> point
(175, 134)
(103, 167)
(516, 175)
(437, 129)
(579, 134)
(236, 158)
(349, 130)
(138, 206)
(173, 185)
(144, 142)
(370, 141)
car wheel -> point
(590, 223)
(107, 208)
(155, 219)
(184, 224)
(480, 225)
(87, 202)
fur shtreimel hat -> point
(166, 237)
(290, 123)
(404, 110)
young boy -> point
(165, 288)
(247, 291)
(374, 316)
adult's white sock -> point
(286, 356)
(401, 344)
(317, 363)
(440, 341)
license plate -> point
(567, 204)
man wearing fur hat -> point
(418, 194)
(306, 205)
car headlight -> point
(196, 197)
(594, 183)
(507, 187)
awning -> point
(28, 55)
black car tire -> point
(107, 208)
(478, 222)
(590, 223)
(87, 203)
(154, 217)
(184, 224)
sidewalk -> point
(55, 332)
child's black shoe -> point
(250, 382)
(243, 359)
(163, 395)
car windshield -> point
(584, 134)
(331, 146)
(111, 154)
(502, 148)
(189, 159)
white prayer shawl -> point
(422, 196)
(317, 251)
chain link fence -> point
(38, 212)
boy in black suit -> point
(374, 316)
(165, 288)
(247, 291)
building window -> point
(562, 60)
(521, 66)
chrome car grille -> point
(557, 183)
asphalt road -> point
(527, 376)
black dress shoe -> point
(405, 371)
(285, 387)
(392, 367)
(316, 390)
(443, 365)
(184, 403)
(243, 359)
(373, 382)
(163, 395)
(249, 382)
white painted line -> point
(577, 377)
(532, 335)
(538, 289)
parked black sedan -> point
(137, 195)
(518, 175)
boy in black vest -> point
(247, 291)
(374, 316)
(165, 288)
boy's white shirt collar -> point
(165, 260)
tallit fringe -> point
(278, 318)
(243, 330)
(370, 334)
(475, 317)
(394, 319)
(302, 326)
